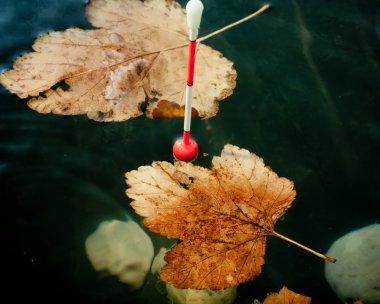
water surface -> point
(307, 101)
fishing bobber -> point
(185, 148)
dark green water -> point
(307, 101)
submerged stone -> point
(122, 249)
(356, 274)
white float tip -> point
(194, 9)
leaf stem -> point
(332, 260)
(264, 8)
(227, 27)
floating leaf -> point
(136, 61)
(286, 296)
(221, 216)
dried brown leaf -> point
(135, 61)
(286, 296)
(220, 215)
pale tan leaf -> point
(135, 62)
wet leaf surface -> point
(134, 63)
(220, 215)
(286, 296)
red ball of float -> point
(185, 149)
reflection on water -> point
(306, 101)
